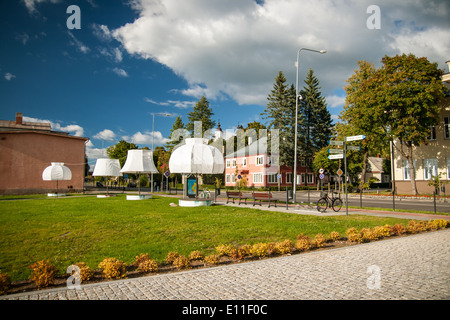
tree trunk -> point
(412, 172)
(364, 171)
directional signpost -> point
(342, 154)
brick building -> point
(27, 148)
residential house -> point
(257, 167)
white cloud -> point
(78, 44)
(146, 138)
(120, 72)
(31, 4)
(106, 135)
(335, 101)
(9, 76)
(75, 129)
(236, 48)
(174, 103)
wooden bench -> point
(263, 196)
(236, 195)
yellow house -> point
(430, 159)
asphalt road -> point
(381, 202)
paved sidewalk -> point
(411, 267)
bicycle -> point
(325, 201)
(205, 194)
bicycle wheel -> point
(322, 205)
(337, 204)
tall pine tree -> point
(177, 133)
(202, 112)
(280, 113)
(317, 124)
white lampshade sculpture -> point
(56, 172)
(139, 162)
(107, 168)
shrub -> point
(86, 273)
(260, 249)
(351, 231)
(284, 247)
(43, 273)
(212, 259)
(354, 237)
(334, 235)
(244, 251)
(368, 234)
(113, 268)
(303, 243)
(225, 250)
(145, 264)
(171, 256)
(416, 226)
(5, 283)
(398, 229)
(382, 231)
(196, 255)
(318, 241)
(440, 223)
(181, 262)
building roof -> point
(255, 148)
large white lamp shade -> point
(107, 168)
(139, 161)
(56, 172)
(196, 157)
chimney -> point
(19, 117)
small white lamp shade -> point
(57, 171)
(139, 161)
(107, 168)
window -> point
(244, 162)
(259, 160)
(257, 178)
(310, 178)
(448, 168)
(288, 177)
(228, 164)
(233, 163)
(233, 178)
(406, 172)
(432, 135)
(273, 178)
(430, 167)
(228, 178)
(447, 127)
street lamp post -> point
(165, 114)
(297, 97)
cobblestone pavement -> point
(411, 267)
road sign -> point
(337, 143)
(355, 138)
(167, 174)
(321, 176)
(336, 156)
(354, 148)
(336, 151)
(339, 172)
(279, 176)
(321, 170)
(239, 177)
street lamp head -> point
(323, 51)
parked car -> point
(131, 185)
(99, 184)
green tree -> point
(176, 134)
(201, 112)
(407, 90)
(120, 150)
(280, 113)
(358, 117)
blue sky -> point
(137, 57)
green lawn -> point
(87, 229)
